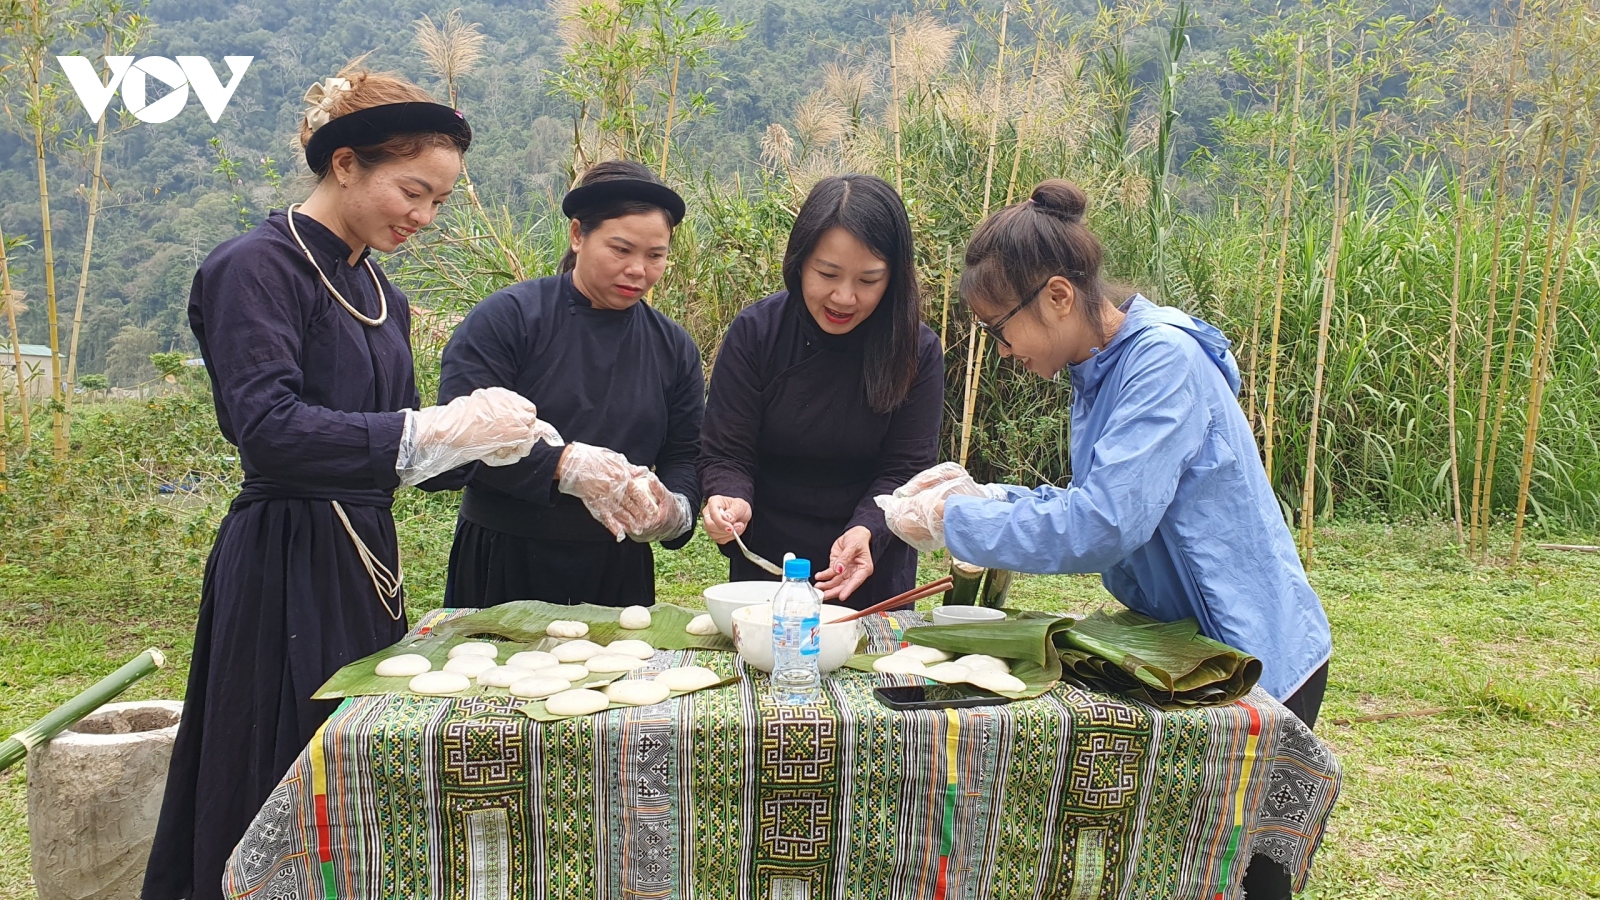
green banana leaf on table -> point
(1024, 639)
(1167, 664)
(518, 626)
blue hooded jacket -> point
(1169, 500)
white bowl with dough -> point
(723, 599)
(752, 635)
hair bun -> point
(1062, 199)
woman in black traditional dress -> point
(825, 395)
(622, 383)
(308, 349)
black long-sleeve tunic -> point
(789, 430)
(629, 380)
(312, 398)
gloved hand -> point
(492, 424)
(915, 511)
(609, 485)
(671, 512)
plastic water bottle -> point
(796, 617)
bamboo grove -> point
(1396, 228)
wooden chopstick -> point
(928, 590)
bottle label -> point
(811, 641)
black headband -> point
(581, 199)
(376, 124)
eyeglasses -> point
(995, 329)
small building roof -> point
(29, 350)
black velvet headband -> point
(589, 196)
(376, 124)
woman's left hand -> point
(849, 564)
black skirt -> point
(286, 602)
(489, 567)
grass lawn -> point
(1494, 797)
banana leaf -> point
(525, 620)
(535, 709)
(1024, 640)
(521, 627)
(1169, 664)
(1039, 680)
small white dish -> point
(966, 615)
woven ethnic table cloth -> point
(724, 795)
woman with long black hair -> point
(824, 395)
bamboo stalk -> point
(1022, 123)
(1547, 337)
(944, 309)
(13, 749)
(1284, 223)
(1252, 398)
(894, 111)
(1502, 391)
(672, 108)
(975, 357)
(88, 247)
(1480, 505)
(1341, 191)
(35, 64)
(1455, 313)
(8, 299)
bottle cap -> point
(797, 568)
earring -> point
(343, 184)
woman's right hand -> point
(724, 517)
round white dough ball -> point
(947, 673)
(563, 628)
(701, 625)
(605, 663)
(403, 666)
(532, 660)
(634, 648)
(576, 651)
(688, 678)
(538, 686)
(999, 682)
(475, 648)
(502, 676)
(573, 672)
(469, 665)
(634, 618)
(977, 661)
(895, 664)
(925, 655)
(637, 693)
(578, 702)
(439, 683)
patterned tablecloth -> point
(723, 794)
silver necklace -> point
(383, 301)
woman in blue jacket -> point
(1169, 501)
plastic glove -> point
(492, 424)
(606, 483)
(672, 513)
(915, 511)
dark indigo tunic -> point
(789, 430)
(629, 380)
(312, 399)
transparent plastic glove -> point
(915, 511)
(605, 481)
(492, 424)
(672, 513)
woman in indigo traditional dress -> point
(825, 395)
(622, 383)
(308, 349)
(1169, 501)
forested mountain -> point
(168, 203)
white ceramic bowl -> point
(965, 615)
(723, 599)
(752, 634)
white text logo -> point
(131, 76)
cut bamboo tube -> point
(13, 749)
